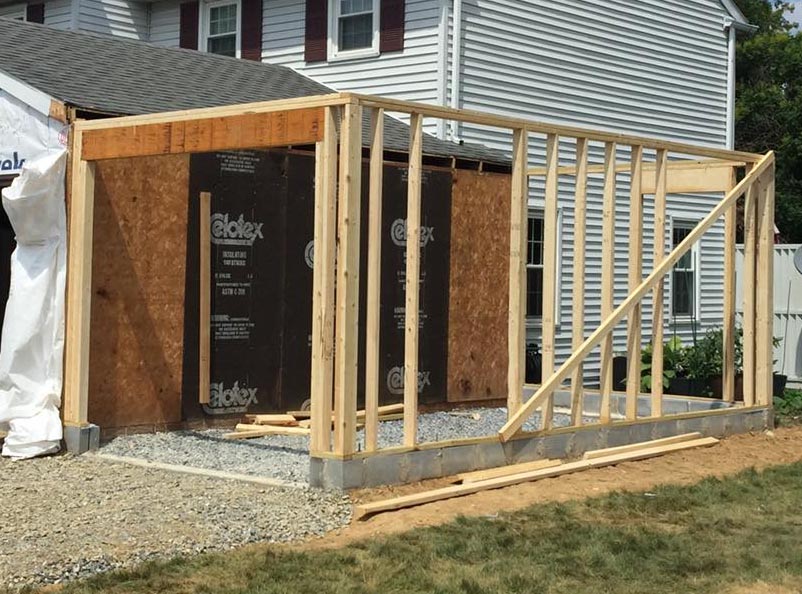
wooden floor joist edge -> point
(364, 510)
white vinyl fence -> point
(787, 309)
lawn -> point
(702, 538)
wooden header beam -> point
(244, 131)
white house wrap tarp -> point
(33, 329)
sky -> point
(797, 14)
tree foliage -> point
(768, 113)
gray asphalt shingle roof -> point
(125, 77)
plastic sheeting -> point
(32, 343)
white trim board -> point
(30, 96)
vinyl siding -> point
(410, 74)
(12, 11)
(165, 23)
(120, 18)
(58, 14)
(654, 68)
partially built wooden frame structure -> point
(334, 124)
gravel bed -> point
(287, 458)
(66, 517)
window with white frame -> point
(221, 28)
(534, 266)
(354, 28)
(685, 275)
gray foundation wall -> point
(433, 462)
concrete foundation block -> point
(491, 455)
(558, 446)
(384, 470)
(523, 450)
(459, 459)
(693, 425)
(80, 440)
(587, 441)
(424, 464)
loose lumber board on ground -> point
(639, 446)
(245, 431)
(368, 509)
(287, 420)
(384, 411)
(483, 475)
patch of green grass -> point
(694, 539)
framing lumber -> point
(483, 475)
(728, 326)
(607, 279)
(516, 316)
(658, 305)
(749, 274)
(477, 117)
(79, 287)
(247, 432)
(285, 420)
(688, 176)
(322, 372)
(514, 425)
(368, 509)
(550, 222)
(578, 315)
(373, 324)
(635, 447)
(412, 284)
(205, 307)
(634, 319)
(347, 302)
(764, 292)
(229, 132)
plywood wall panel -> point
(478, 299)
(138, 284)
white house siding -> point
(165, 23)
(58, 14)
(12, 11)
(411, 74)
(120, 18)
(654, 68)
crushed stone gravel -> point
(66, 517)
(287, 457)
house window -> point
(221, 28)
(685, 275)
(354, 28)
(534, 267)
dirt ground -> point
(730, 456)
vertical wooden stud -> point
(516, 316)
(635, 278)
(372, 358)
(550, 221)
(749, 277)
(412, 285)
(79, 288)
(347, 302)
(323, 311)
(764, 288)
(205, 309)
(578, 315)
(607, 278)
(658, 309)
(728, 328)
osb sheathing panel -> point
(478, 301)
(138, 276)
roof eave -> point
(38, 100)
(739, 21)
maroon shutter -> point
(392, 25)
(316, 30)
(35, 13)
(190, 21)
(252, 30)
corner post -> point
(764, 287)
(79, 287)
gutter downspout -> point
(456, 63)
(730, 133)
